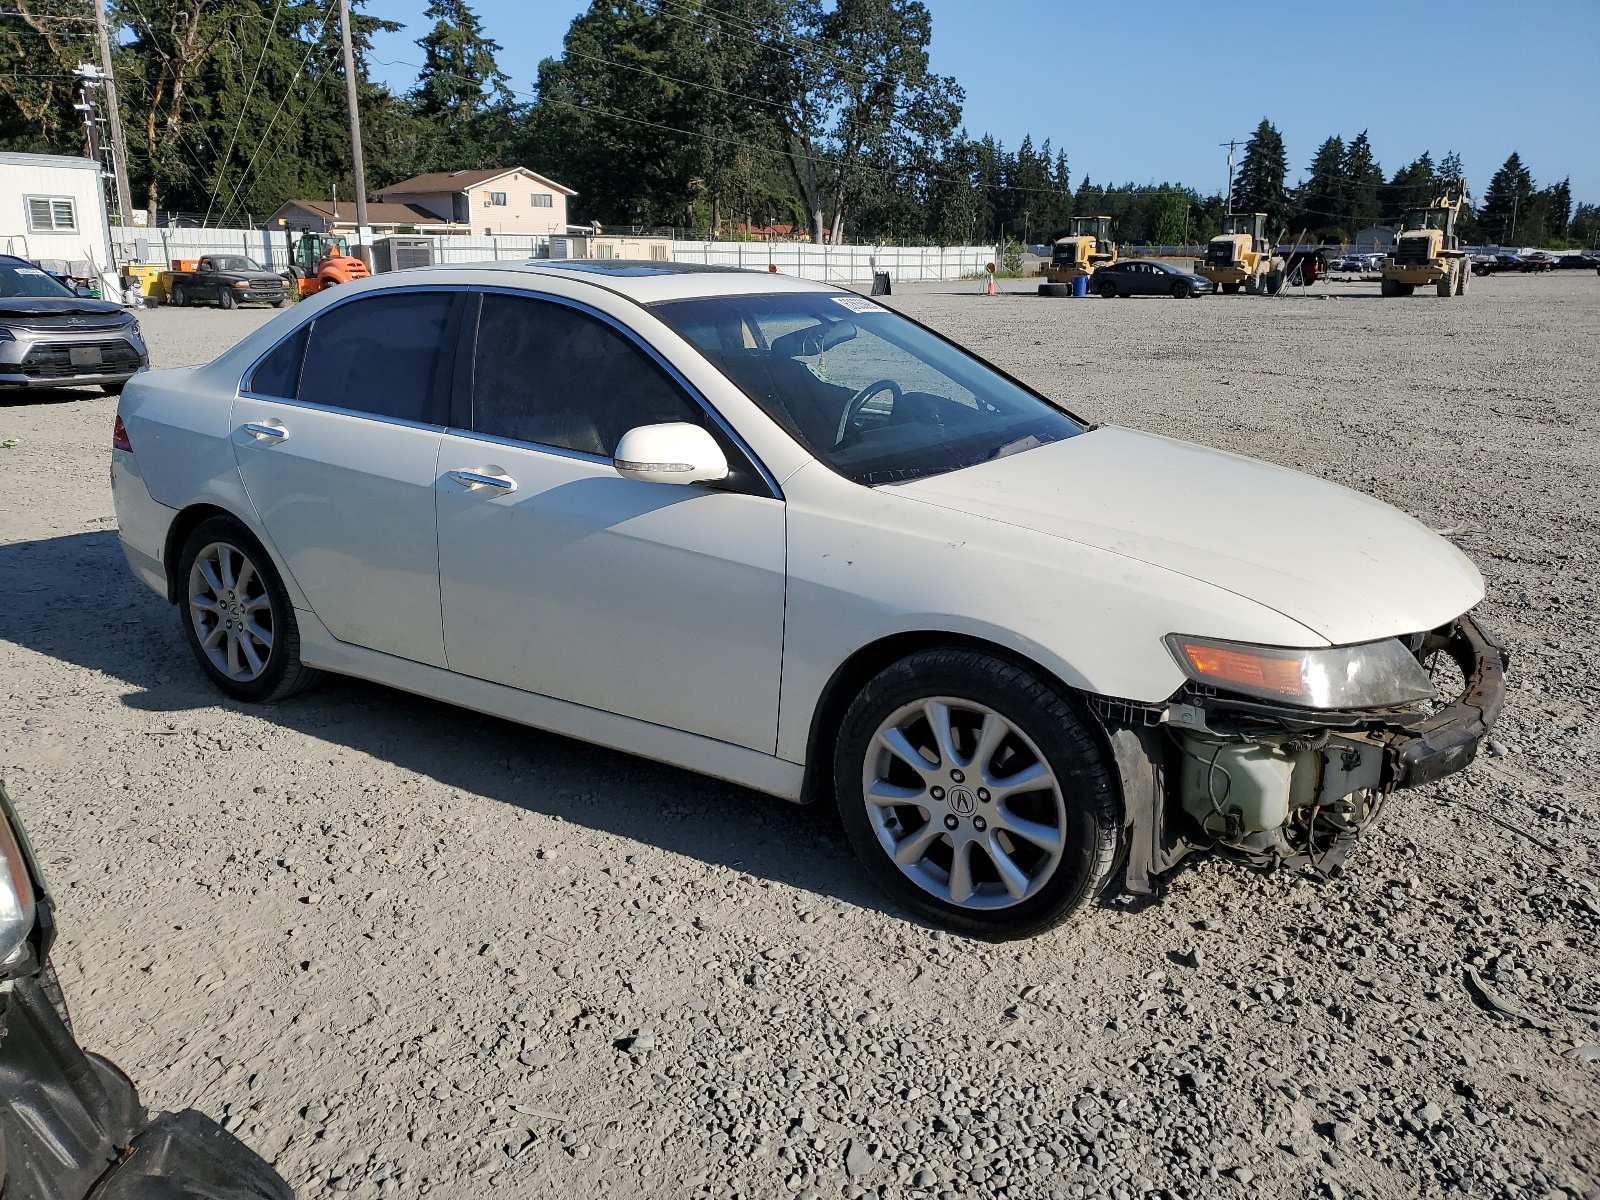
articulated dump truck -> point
(1426, 251)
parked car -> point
(53, 337)
(1538, 260)
(71, 1123)
(226, 280)
(1582, 261)
(770, 531)
(1147, 277)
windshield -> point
(29, 281)
(235, 263)
(873, 395)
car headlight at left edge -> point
(17, 901)
(1371, 675)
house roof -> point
(460, 181)
(378, 212)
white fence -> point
(826, 264)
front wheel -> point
(1107, 290)
(1181, 290)
(224, 298)
(238, 620)
(975, 795)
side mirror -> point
(676, 452)
(83, 291)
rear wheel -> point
(1463, 280)
(975, 795)
(1107, 289)
(224, 297)
(237, 617)
(180, 296)
(1389, 288)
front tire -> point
(1107, 290)
(1181, 290)
(224, 298)
(237, 618)
(975, 795)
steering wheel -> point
(859, 400)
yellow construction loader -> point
(1241, 257)
(1427, 251)
(1088, 246)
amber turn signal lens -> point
(1256, 672)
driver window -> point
(549, 374)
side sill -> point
(705, 756)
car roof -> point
(11, 260)
(648, 281)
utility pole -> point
(1231, 143)
(119, 146)
(355, 122)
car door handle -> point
(477, 479)
(269, 433)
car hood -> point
(50, 306)
(1347, 567)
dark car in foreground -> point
(53, 337)
(71, 1124)
(1147, 277)
(227, 280)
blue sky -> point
(1150, 88)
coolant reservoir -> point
(1248, 778)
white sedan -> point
(773, 532)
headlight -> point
(16, 895)
(1372, 675)
(242, 284)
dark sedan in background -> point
(53, 337)
(1147, 277)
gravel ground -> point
(404, 949)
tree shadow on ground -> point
(73, 598)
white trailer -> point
(53, 212)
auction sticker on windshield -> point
(857, 305)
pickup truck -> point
(225, 280)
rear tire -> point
(229, 595)
(180, 296)
(1464, 281)
(1389, 288)
(1037, 732)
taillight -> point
(119, 437)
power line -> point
(244, 108)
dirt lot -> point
(401, 948)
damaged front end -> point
(1257, 754)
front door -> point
(657, 601)
(337, 437)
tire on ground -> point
(1058, 290)
(1063, 738)
(284, 675)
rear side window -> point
(548, 374)
(383, 355)
(279, 372)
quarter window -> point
(383, 355)
(51, 214)
(279, 372)
(549, 374)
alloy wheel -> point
(963, 803)
(231, 611)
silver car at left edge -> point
(51, 337)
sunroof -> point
(623, 266)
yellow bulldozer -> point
(1088, 246)
(1426, 250)
(1241, 257)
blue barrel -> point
(1080, 285)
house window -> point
(50, 214)
(496, 200)
(543, 200)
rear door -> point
(337, 434)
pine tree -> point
(1323, 200)
(459, 74)
(1260, 187)
(1363, 177)
(1505, 203)
(1560, 212)
(1411, 187)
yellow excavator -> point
(1426, 250)
(1241, 257)
(1088, 246)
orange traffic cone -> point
(990, 290)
